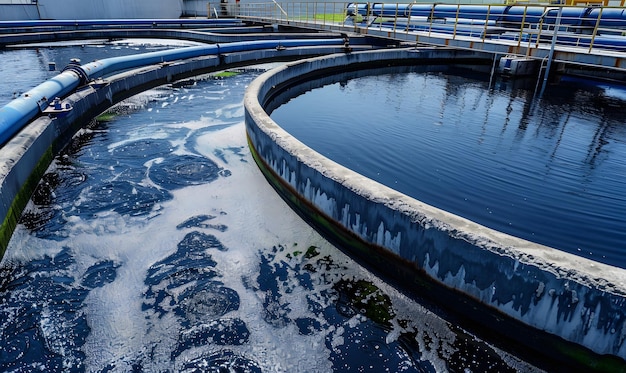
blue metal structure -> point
(584, 16)
(576, 25)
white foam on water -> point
(158, 42)
(23, 247)
(257, 220)
(230, 111)
(119, 328)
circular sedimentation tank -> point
(492, 278)
(547, 169)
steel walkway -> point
(559, 34)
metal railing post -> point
(595, 30)
(368, 11)
(356, 16)
(484, 35)
(521, 29)
(408, 19)
(430, 19)
(281, 10)
(456, 20)
(395, 21)
(557, 25)
(540, 28)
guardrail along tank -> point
(505, 15)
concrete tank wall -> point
(551, 291)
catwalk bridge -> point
(586, 37)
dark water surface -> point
(550, 170)
(154, 244)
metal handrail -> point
(530, 24)
(281, 9)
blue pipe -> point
(105, 67)
(584, 16)
(610, 17)
(20, 111)
(16, 114)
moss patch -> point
(21, 199)
(106, 117)
(226, 74)
(367, 299)
(330, 17)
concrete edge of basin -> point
(543, 289)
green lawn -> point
(336, 17)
